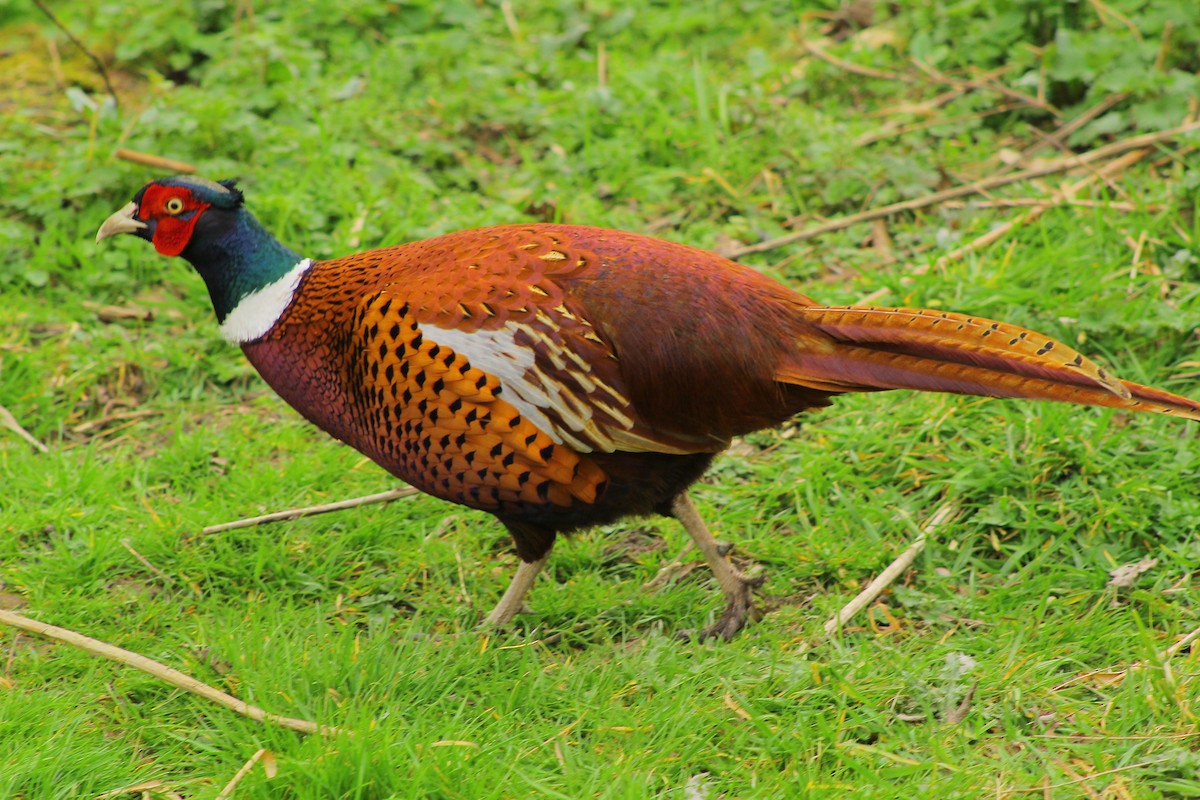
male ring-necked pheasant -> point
(560, 376)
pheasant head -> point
(207, 224)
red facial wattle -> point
(174, 213)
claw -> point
(739, 610)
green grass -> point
(353, 125)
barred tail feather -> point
(868, 349)
(1147, 398)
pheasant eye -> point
(174, 205)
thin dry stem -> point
(1060, 135)
(900, 130)
(510, 20)
(1079, 779)
(1115, 675)
(893, 571)
(308, 511)
(107, 313)
(160, 671)
(1174, 649)
(1030, 202)
(928, 74)
(9, 421)
(155, 162)
(1060, 197)
(227, 792)
(934, 103)
(143, 790)
(668, 571)
(164, 577)
(108, 419)
(83, 49)
(988, 85)
(986, 184)
(854, 69)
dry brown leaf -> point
(109, 313)
(1126, 575)
(1097, 678)
(959, 713)
(733, 706)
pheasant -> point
(561, 376)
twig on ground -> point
(934, 103)
(893, 571)
(854, 69)
(60, 77)
(143, 790)
(1107, 151)
(160, 671)
(1059, 137)
(881, 240)
(927, 74)
(1079, 779)
(988, 85)
(164, 577)
(9, 421)
(261, 754)
(108, 313)
(277, 516)
(1174, 157)
(1114, 675)
(108, 419)
(1061, 196)
(888, 132)
(1174, 649)
(83, 49)
(1029, 202)
(156, 162)
(1112, 737)
(668, 571)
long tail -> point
(866, 349)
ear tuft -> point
(231, 185)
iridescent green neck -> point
(236, 256)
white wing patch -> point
(257, 312)
(539, 397)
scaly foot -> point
(739, 608)
(737, 586)
(513, 601)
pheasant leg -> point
(513, 601)
(735, 584)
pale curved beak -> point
(121, 222)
